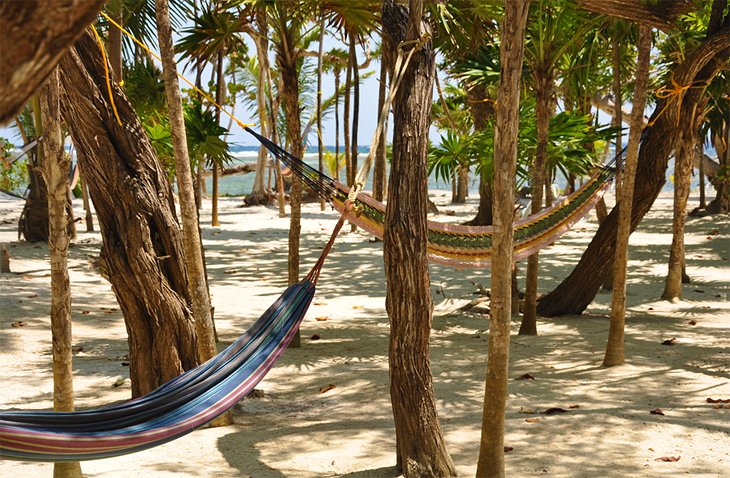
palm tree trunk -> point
(55, 173)
(262, 48)
(337, 124)
(85, 197)
(421, 449)
(543, 93)
(615, 346)
(320, 142)
(355, 113)
(216, 167)
(34, 218)
(491, 450)
(287, 60)
(115, 43)
(349, 172)
(683, 160)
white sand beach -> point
(606, 428)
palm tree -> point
(55, 174)
(216, 32)
(512, 31)
(615, 346)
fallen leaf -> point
(358, 306)
(720, 406)
(574, 406)
(526, 410)
(230, 271)
(532, 420)
(26, 277)
(326, 388)
(85, 312)
(718, 400)
(31, 296)
(508, 449)
(670, 459)
(657, 411)
(118, 382)
(314, 337)
(19, 323)
(320, 303)
(554, 411)
(671, 341)
(321, 319)
(692, 322)
(525, 376)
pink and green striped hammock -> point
(452, 244)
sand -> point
(607, 429)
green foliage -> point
(13, 175)
(145, 89)
(332, 163)
(205, 137)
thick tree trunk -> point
(574, 294)
(657, 13)
(421, 449)
(34, 36)
(143, 251)
(55, 173)
(615, 347)
(538, 173)
(512, 32)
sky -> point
(368, 107)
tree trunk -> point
(574, 294)
(349, 173)
(287, 58)
(34, 36)
(538, 173)
(615, 346)
(683, 159)
(355, 114)
(55, 173)
(337, 125)
(486, 204)
(85, 198)
(320, 141)
(482, 111)
(421, 449)
(114, 45)
(142, 250)
(34, 218)
(216, 167)
(491, 450)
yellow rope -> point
(192, 85)
(106, 73)
(675, 92)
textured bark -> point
(683, 159)
(34, 34)
(656, 13)
(574, 294)
(287, 57)
(190, 231)
(320, 140)
(512, 47)
(55, 173)
(421, 449)
(544, 93)
(481, 111)
(142, 251)
(355, 115)
(33, 223)
(89, 218)
(615, 347)
(219, 96)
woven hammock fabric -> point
(178, 407)
(452, 244)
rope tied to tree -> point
(106, 74)
(676, 91)
(156, 56)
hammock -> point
(452, 244)
(176, 408)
